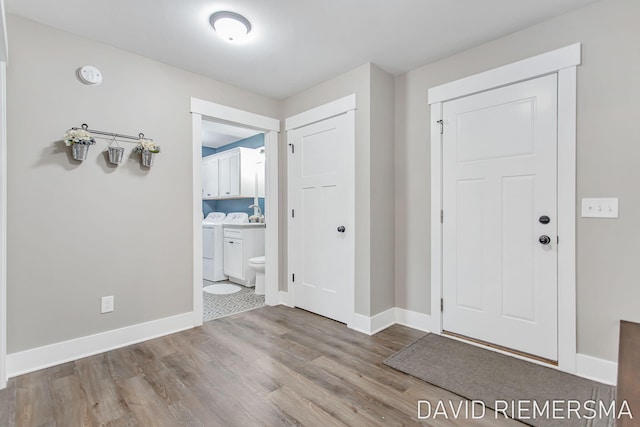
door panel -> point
(518, 257)
(321, 195)
(499, 177)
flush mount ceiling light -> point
(230, 25)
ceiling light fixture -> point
(230, 25)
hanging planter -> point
(147, 158)
(79, 140)
(79, 151)
(147, 149)
(115, 154)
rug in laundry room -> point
(216, 306)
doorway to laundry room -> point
(233, 212)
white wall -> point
(608, 151)
(81, 231)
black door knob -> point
(341, 229)
(544, 219)
(544, 239)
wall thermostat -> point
(90, 75)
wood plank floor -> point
(274, 366)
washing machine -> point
(212, 247)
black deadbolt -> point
(544, 219)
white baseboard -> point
(54, 354)
(596, 369)
(360, 323)
(372, 325)
(381, 321)
(413, 319)
(285, 298)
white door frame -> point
(562, 61)
(270, 127)
(4, 53)
(314, 115)
(3, 225)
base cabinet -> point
(242, 243)
(233, 258)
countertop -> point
(246, 225)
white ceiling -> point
(216, 134)
(295, 43)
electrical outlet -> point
(107, 304)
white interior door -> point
(499, 184)
(321, 163)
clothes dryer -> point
(212, 247)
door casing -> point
(564, 62)
(270, 127)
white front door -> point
(500, 217)
(321, 163)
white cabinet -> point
(210, 178)
(229, 175)
(233, 258)
(242, 242)
(234, 174)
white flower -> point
(75, 136)
(148, 145)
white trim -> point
(567, 316)
(290, 240)
(234, 115)
(381, 321)
(360, 323)
(413, 319)
(436, 225)
(323, 112)
(270, 127)
(536, 66)
(196, 215)
(3, 224)
(4, 41)
(564, 62)
(373, 325)
(271, 217)
(596, 369)
(54, 354)
(285, 298)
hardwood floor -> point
(274, 366)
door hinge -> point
(441, 216)
(293, 150)
(293, 213)
(441, 123)
(441, 304)
(293, 277)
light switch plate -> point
(600, 208)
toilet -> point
(257, 265)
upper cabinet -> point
(210, 167)
(236, 173)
